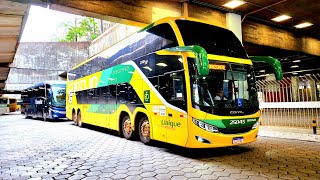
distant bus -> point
(4, 105)
(46, 100)
(13, 104)
(179, 80)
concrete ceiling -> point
(12, 20)
(287, 40)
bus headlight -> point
(205, 126)
(255, 125)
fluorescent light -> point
(147, 67)
(296, 61)
(281, 18)
(262, 71)
(162, 64)
(294, 73)
(295, 66)
(233, 4)
(303, 25)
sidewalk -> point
(303, 134)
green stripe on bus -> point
(103, 108)
(116, 75)
(232, 123)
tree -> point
(85, 30)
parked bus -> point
(13, 104)
(161, 84)
(46, 100)
(4, 105)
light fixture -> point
(281, 18)
(148, 68)
(262, 70)
(296, 61)
(233, 4)
(162, 64)
(303, 25)
(294, 73)
(295, 66)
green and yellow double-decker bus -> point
(179, 80)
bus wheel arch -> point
(125, 125)
(142, 124)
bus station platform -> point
(303, 134)
(34, 149)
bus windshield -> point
(59, 96)
(228, 88)
(3, 101)
(214, 40)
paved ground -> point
(59, 150)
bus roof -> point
(47, 82)
(160, 21)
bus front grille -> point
(235, 130)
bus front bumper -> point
(199, 138)
(55, 114)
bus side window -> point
(103, 95)
(163, 86)
(177, 90)
(92, 96)
(132, 96)
(112, 94)
(122, 93)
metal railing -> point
(293, 101)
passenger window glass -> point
(122, 93)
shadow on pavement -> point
(182, 151)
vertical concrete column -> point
(234, 24)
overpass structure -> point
(13, 16)
(251, 22)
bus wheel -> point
(144, 130)
(44, 116)
(74, 118)
(127, 128)
(79, 120)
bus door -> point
(176, 120)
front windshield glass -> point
(228, 89)
(213, 39)
(59, 96)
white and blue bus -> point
(4, 105)
(46, 100)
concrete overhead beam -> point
(127, 12)
(11, 7)
(8, 44)
(6, 57)
(261, 34)
(4, 71)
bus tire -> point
(126, 127)
(79, 120)
(26, 115)
(44, 116)
(74, 118)
(144, 130)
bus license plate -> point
(237, 140)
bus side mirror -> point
(273, 62)
(200, 54)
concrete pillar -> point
(234, 24)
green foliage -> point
(85, 30)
